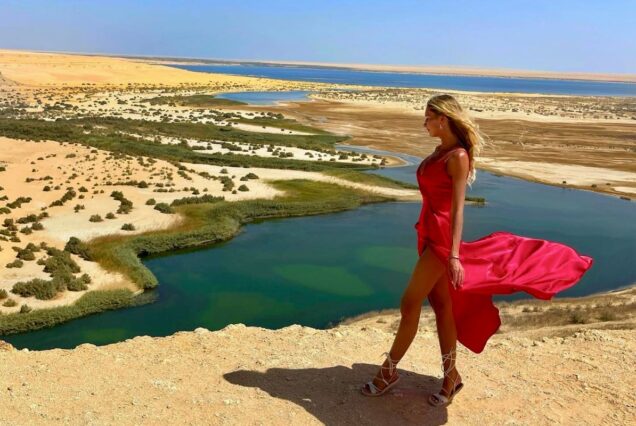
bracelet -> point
(453, 257)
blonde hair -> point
(462, 126)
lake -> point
(412, 80)
(318, 270)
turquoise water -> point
(266, 98)
(394, 79)
(317, 270)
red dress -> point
(499, 263)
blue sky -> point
(557, 35)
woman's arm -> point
(457, 167)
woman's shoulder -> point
(458, 153)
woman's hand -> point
(456, 272)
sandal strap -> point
(450, 356)
(440, 398)
(392, 366)
(373, 388)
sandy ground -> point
(594, 156)
(579, 374)
(58, 70)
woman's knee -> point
(442, 306)
(410, 308)
(443, 310)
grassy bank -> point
(90, 303)
(196, 101)
(203, 224)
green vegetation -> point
(78, 247)
(196, 200)
(111, 134)
(197, 101)
(369, 179)
(281, 123)
(476, 200)
(209, 223)
(90, 303)
(164, 208)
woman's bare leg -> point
(440, 301)
(426, 273)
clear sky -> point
(552, 35)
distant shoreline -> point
(407, 69)
(424, 70)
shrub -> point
(37, 226)
(3, 294)
(26, 254)
(128, 227)
(78, 247)
(41, 289)
(96, 218)
(59, 263)
(164, 208)
(197, 200)
(151, 202)
(243, 188)
(606, 315)
(15, 264)
(110, 215)
(10, 303)
(25, 309)
(577, 317)
(76, 285)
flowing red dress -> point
(499, 263)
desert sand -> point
(590, 155)
(576, 374)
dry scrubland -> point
(105, 155)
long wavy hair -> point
(462, 126)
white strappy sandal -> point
(370, 389)
(438, 399)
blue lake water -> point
(394, 79)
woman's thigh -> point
(426, 273)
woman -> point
(459, 278)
